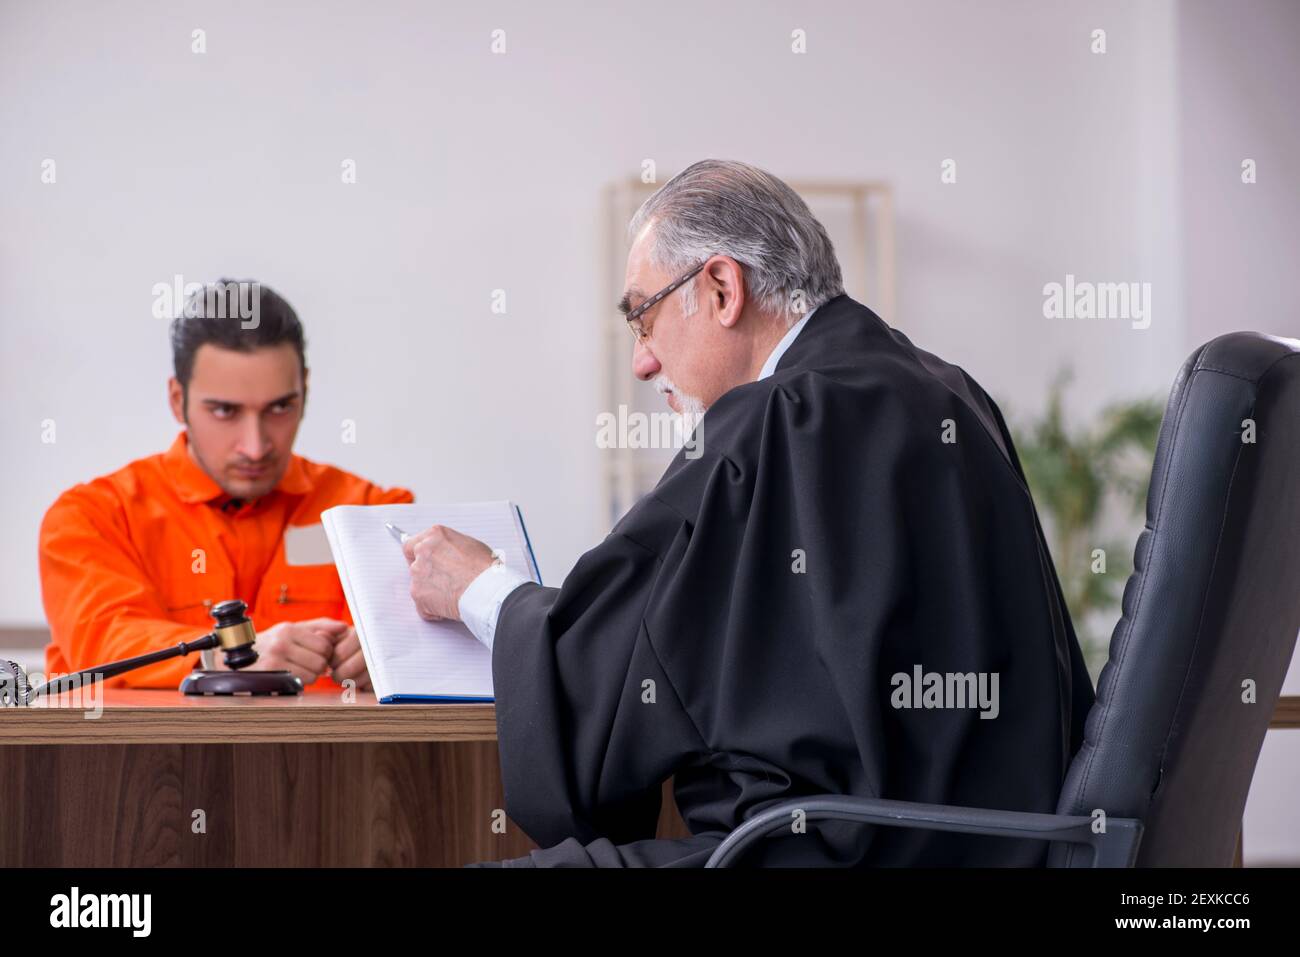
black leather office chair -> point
(1211, 611)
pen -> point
(498, 557)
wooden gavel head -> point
(236, 634)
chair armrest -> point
(1117, 847)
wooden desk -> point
(308, 781)
(1287, 713)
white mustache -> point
(689, 403)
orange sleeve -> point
(99, 602)
(388, 496)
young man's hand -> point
(303, 648)
(348, 661)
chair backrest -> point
(1210, 612)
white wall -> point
(478, 172)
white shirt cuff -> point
(480, 604)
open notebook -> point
(411, 659)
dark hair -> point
(217, 314)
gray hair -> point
(724, 207)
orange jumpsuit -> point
(131, 562)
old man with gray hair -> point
(854, 519)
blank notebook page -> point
(405, 654)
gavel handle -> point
(100, 672)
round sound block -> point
(199, 681)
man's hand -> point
(304, 648)
(349, 662)
(443, 562)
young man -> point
(132, 561)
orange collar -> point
(192, 484)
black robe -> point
(691, 642)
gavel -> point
(234, 635)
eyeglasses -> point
(634, 323)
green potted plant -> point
(1074, 474)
